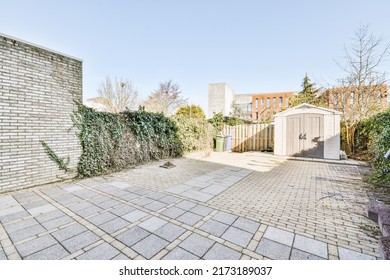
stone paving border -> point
(113, 218)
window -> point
(286, 101)
(268, 102)
(257, 103)
(274, 102)
(360, 98)
(280, 102)
(262, 103)
(379, 95)
(344, 98)
(352, 98)
(335, 98)
(257, 115)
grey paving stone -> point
(134, 216)
(346, 254)
(80, 241)
(180, 254)
(225, 218)
(130, 197)
(214, 189)
(8, 201)
(55, 223)
(73, 188)
(35, 204)
(24, 197)
(152, 224)
(68, 232)
(273, 250)
(156, 195)
(120, 185)
(279, 235)
(197, 244)
(3, 256)
(12, 227)
(13, 216)
(173, 212)
(155, 206)
(246, 224)
(41, 209)
(195, 184)
(300, 255)
(122, 210)
(169, 199)
(102, 252)
(170, 232)
(70, 200)
(102, 218)
(132, 236)
(237, 236)
(55, 252)
(186, 205)
(189, 218)
(121, 257)
(220, 252)
(197, 195)
(201, 210)
(214, 227)
(109, 204)
(35, 245)
(88, 211)
(11, 210)
(80, 206)
(99, 199)
(24, 233)
(150, 246)
(179, 189)
(143, 201)
(49, 216)
(311, 246)
(143, 191)
(114, 225)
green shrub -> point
(374, 136)
(111, 142)
(195, 134)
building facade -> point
(261, 107)
(258, 107)
(339, 98)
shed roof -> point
(308, 108)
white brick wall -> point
(37, 89)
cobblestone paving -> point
(197, 210)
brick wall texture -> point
(37, 92)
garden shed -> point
(307, 131)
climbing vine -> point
(111, 142)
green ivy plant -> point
(63, 163)
(111, 142)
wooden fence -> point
(250, 137)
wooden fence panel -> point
(250, 137)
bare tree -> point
(364, 86)
(116, 95)
(166, 99)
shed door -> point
(305, 135)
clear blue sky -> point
(254, 46)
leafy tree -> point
(166, 99)
(116, 95)
(191, 111)
(217, 123)
(309, 94)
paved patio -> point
(253, 206)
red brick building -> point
(265, 105)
